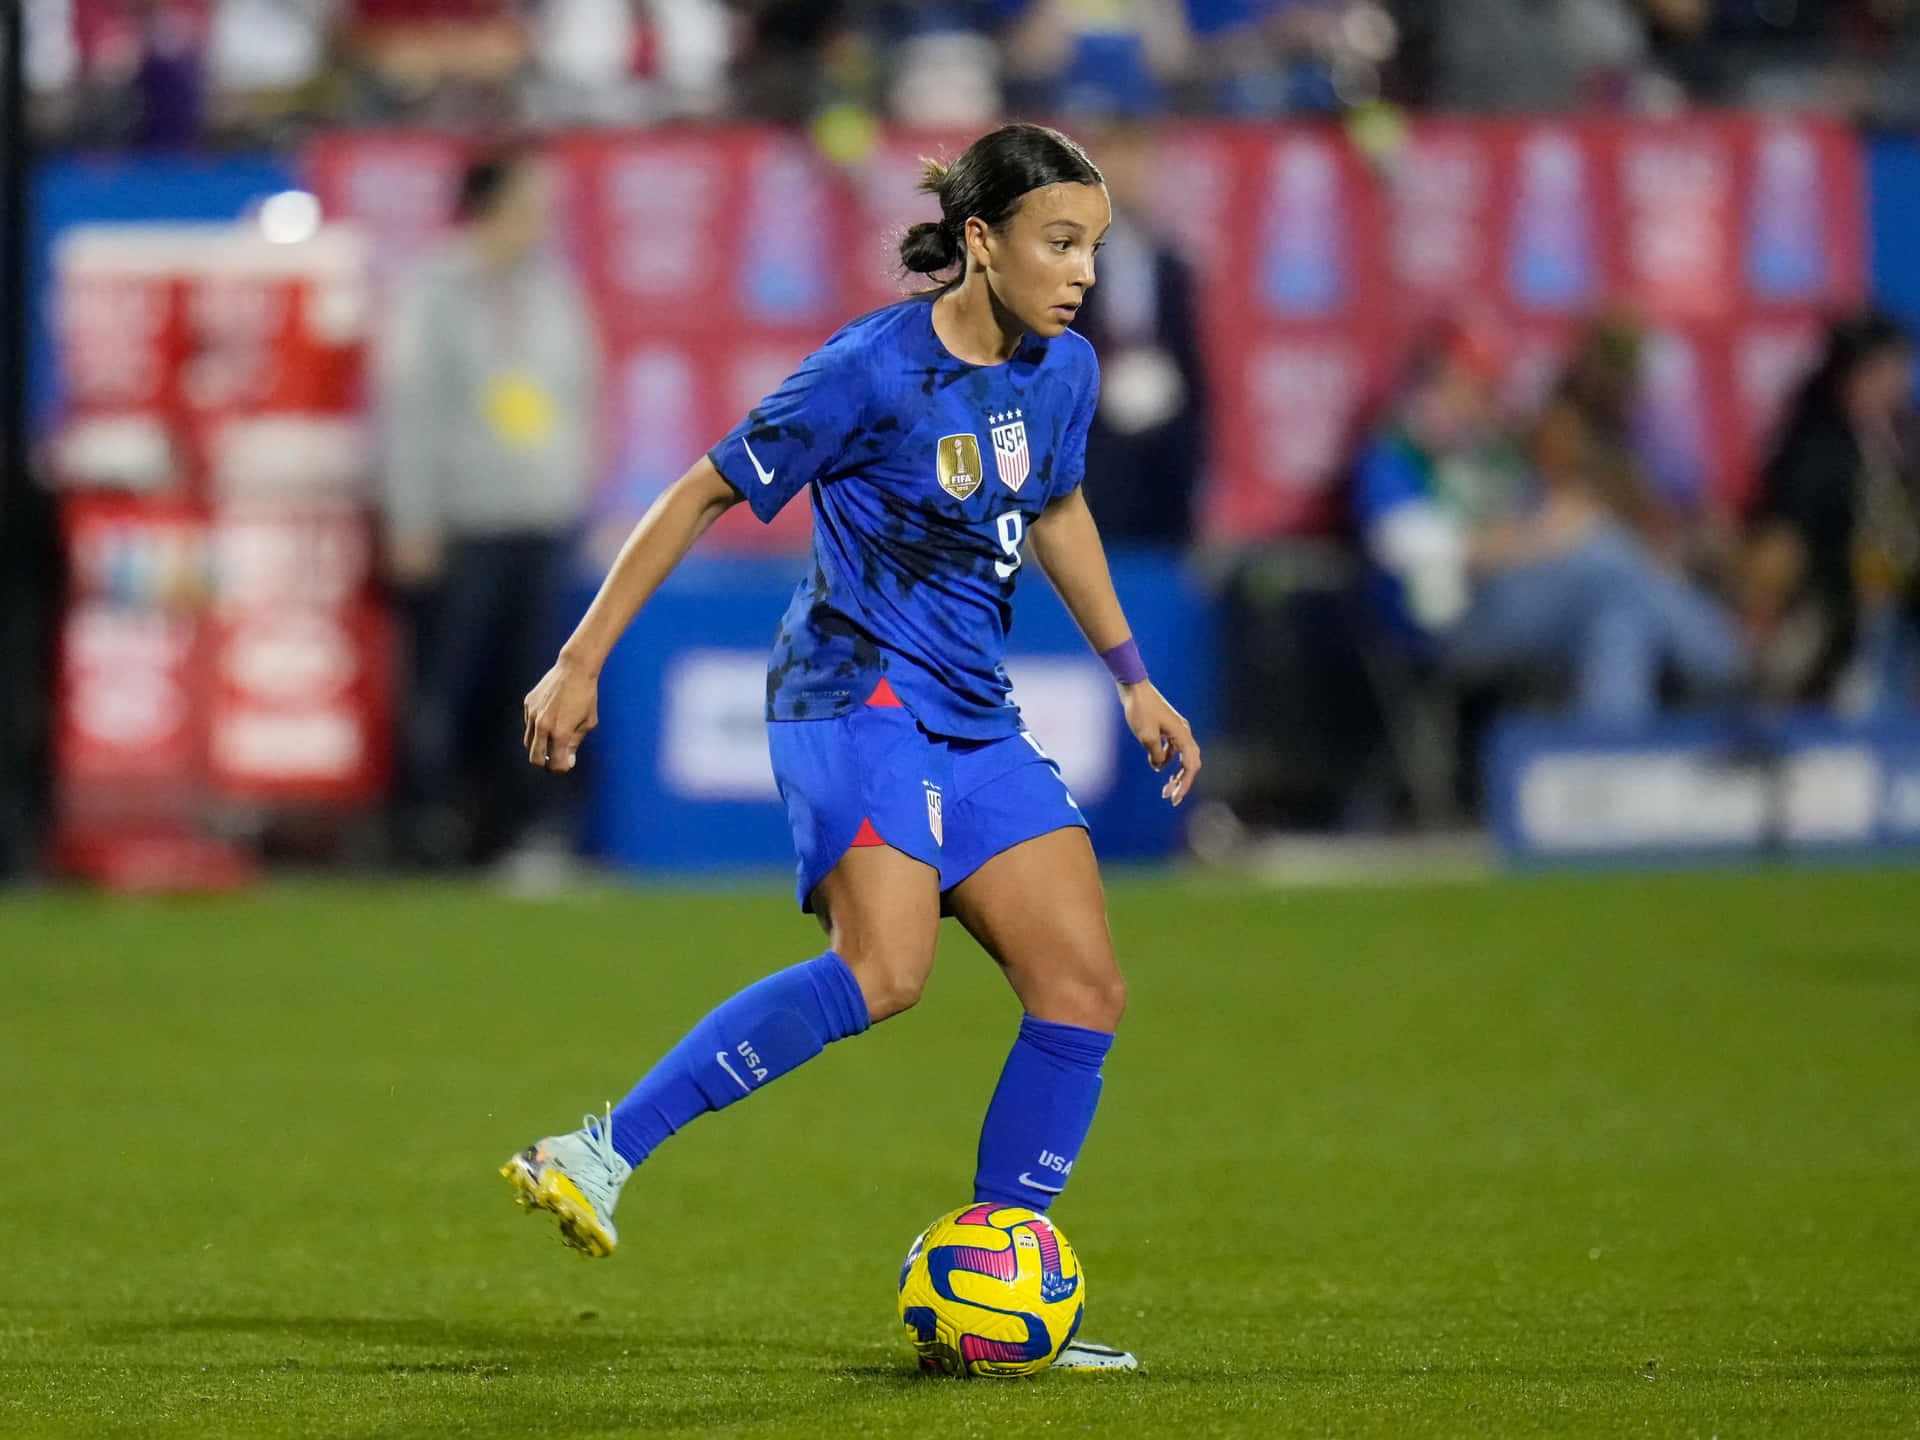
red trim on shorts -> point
(868, 835)
(884, 697)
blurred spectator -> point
(1834, 573)
(629, 61)
(584, 53)
(1552, 54)
(270, 58)
(690, 43)
(1852, 56)
(1492, 576)
(793, 53)
(172, 76)
(1286, 57)
(51, 62)
(487, 392)
(1147, 447)
(132, 71)
(1587, 436)
(1602, 430)
(439, 61)
(1107, 57)
(945, 65)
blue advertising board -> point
(680, 778)
(1704, 787)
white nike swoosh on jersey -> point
(1028, 1180)
(766, 475)
(721, 1056)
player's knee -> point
(1092, 995)
(890, 991)
(891, 977)
(1105, 1000)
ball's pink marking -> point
(973, 1347)
(976, 1216)
(1049, 1248)
(1000, 1264)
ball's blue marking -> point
(920, 1319)
(1055, 1286)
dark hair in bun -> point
(989, 180)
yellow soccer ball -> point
(991, 1290)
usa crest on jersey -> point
(1010, 448)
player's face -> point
(1040, 263)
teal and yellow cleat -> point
(577, 1179)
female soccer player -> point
(941, 437)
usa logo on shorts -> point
(1010, 448)
(934, 821)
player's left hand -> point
(1164, 734)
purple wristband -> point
(1124, 662)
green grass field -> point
(1559, 1157)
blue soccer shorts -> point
(874, 777)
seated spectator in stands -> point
(1588, 421)
(1492, 574)
(487, 391)
(1594, 422)
(1833, 583)
(1147, 445)
(1612, 412)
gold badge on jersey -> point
(959, 463)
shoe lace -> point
(599, 1133)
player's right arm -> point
(812, 428)
(565, 705)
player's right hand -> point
(559, 712)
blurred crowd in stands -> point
(174, 71)
(1535, 559)
(1531, 542)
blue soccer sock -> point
(1040, 1114)
(773, 1026)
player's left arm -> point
(1067, 544)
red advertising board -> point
(128, 728)
(298, 703)
(221, 644)
(717, 258)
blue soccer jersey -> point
(926, 472)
